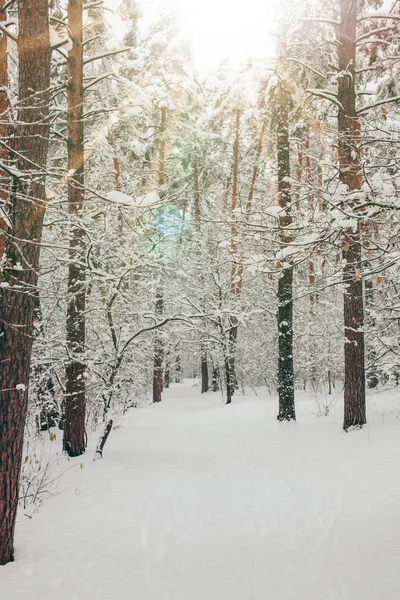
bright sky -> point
(218, 29)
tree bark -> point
(350, 176)
(158, 353)
(235, 287)
(27, 208)
(178, 369)
(74, 441)
(158, 339)
(204, 371)
(167, 372)
(203, 351)
(4, 127)
(215, 378)
(285, 283)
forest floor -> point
(195, 500)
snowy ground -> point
(195, 500)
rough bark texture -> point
(285, 283)
(350, 175)
(74, 441)
(27, 207)
(4, 179)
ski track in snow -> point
(195, 500)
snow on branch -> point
(379, 103)
(299, 62)
(378, 16)
(105, 54)
(3, 28)
(150, 199)
(316, 20)
(373, 32)
(326, 95)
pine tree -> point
(20, 275)
(74, 441)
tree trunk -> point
(4, 105)
(203, 351)
(117, 176)
(372, 375)
(158, 353)
(204, 372)
(235, 287)
(215, 378)
(158, 382)
(178, 369)
(74, 441)
(285, 283)
(26, 216)
(167, 372)
(350, 176)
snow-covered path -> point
(195, 500)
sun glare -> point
(220, 29)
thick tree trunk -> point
(74, 441)
(27, 209)
(350, 176)
(4, 105)
(285, 283)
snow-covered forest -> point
(199, 280)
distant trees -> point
(186, 217)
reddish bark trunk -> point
(350, 175)
(4, 179)
(74, 441)
(27, 209)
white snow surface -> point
(196, 500)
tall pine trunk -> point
(74, 441)
(230, 360)
(203, 350)
(350, 176)
(4, 105)
(285, 283)
(27, 208)
(158, 339)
